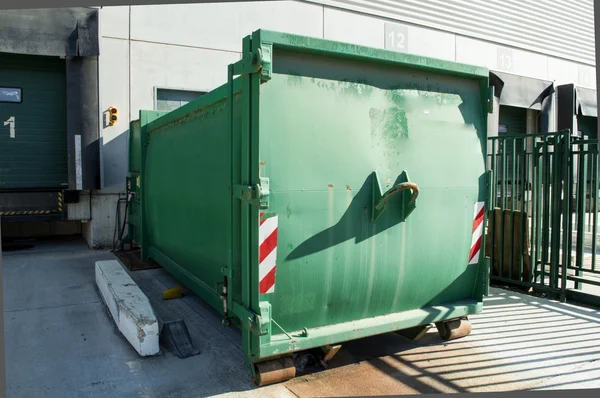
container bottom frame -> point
(281, 344)
(271, 346)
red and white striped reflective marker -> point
(477, 233)
(267, 253)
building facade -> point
(541, 55)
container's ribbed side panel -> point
(562, 28)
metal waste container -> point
(327, 192)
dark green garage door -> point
(512, 121)
(588, 126)
(33, 122)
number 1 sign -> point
(11, 123)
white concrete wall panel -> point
(115, 21)
(586, 76)
(561, 71)
(104, 218)
(81, 209)
(162, 65)
(431, 43)
(222, 26)
(476, 52)
(562, 28)
(504, 59)
(524, 63)
(370, 31)
(353, 28)
(114, 78)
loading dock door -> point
(588, 126)
(512, 121)
(33, 122)
(578, 112)
(586, 111)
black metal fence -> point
(543, 226)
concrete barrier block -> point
(129, 307)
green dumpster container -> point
(325, 193)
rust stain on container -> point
(348, 188)
(330, 185)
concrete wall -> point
(561, 28)
(98, 220)
(376, 32)
(190, 46)
(41, 229)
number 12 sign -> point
(396, 37)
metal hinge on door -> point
(266, 70)
(259, 61)
(256, 195)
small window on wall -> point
(170, 99)
(11, 94)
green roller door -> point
(588, 126)
(33, 122)
(512, 121)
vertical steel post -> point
(544, 180)
(535, 210)
(569, 195)
(565, 215)
(493, 203)
(594, 198)
(502, 206)
(555, 215)
(513, 165)
(580, 214)
(524, 212)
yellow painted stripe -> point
(29, 212)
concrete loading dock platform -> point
(62, 342)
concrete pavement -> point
(61, 342)
(518, 343)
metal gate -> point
(543, 226)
